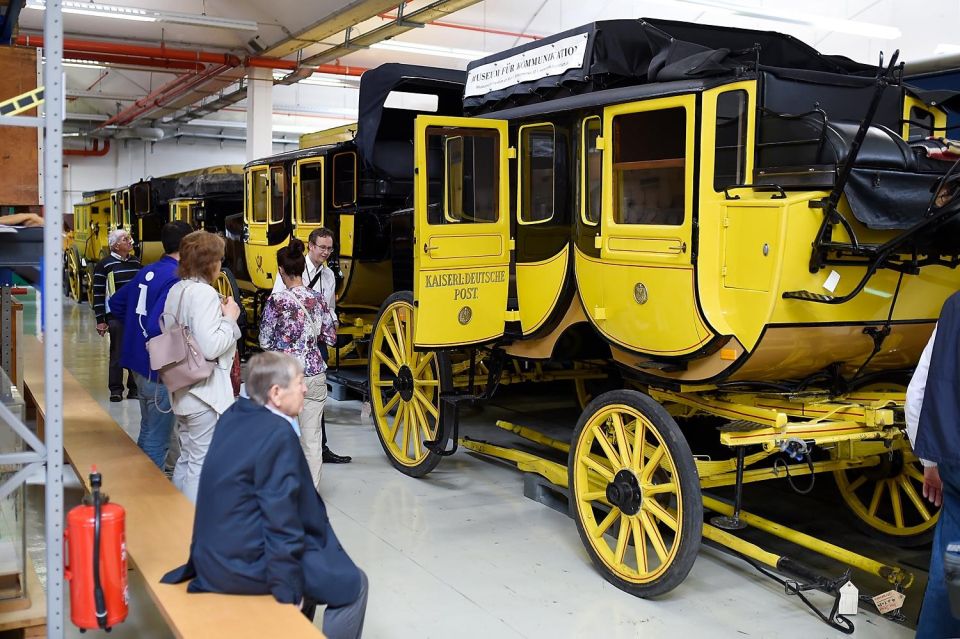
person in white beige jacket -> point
(213, 325)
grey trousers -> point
(195, 432)
(346, 622)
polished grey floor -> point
(462, 553)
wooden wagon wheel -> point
(635, 493)
(72, 274)
(405, 388)
(887, 499)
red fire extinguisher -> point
(96, 561)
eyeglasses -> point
(325, 249)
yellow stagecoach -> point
(746, 227)
(91, 223)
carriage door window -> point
(125, 206)
(259, 189)
(278, 189)
(591, 167)
(344, 179)
(311, 193)
(471, 168)
(537, 173)
(648, 167)
(921, 124)
(730, 159)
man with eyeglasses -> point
(318, 276)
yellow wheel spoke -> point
(875, 501)
(408, 333)
(421, 418)
(423, 363)
(392, 435)
(417, 430)
(895, 502)
(596, 466)
(606, 523)
(639, 437)
(426, 382)
(622, 536)
(383, 384)
(915, 472)
(621, 436)
(653, 507)
(601, 438)
(914, 498)
(401, 342)
(594, 495)
(651, 466)
(857, 483)
(426, 403)
(404, 409)
(386, 361)
(392, 344)
(389, 405)
(659, 489)
(639, 545)
(654, 535)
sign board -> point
(537, 63)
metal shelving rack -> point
(50, 452)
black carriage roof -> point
(377, 84)
(207, 185)
(615, 53)
(96, 193)
(296, 154)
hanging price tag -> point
(849, 598)
(889, 601)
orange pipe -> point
(96, 151)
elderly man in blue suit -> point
(260, 525)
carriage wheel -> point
(888, 499)
(88, 285)
(405, 388)
(72, 274)
(635, 493)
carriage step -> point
(540, 489)
(807, 296)
(741, 426)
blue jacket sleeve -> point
(156, 310)
(278, 487)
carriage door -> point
(462, 230)
(647, 276)
(307, 190)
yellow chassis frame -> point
(856, 427)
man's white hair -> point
(115, 236)
(268, 369)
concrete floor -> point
(462, 553)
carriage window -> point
(278, 188)
(537, 173)
(311, 193)
(469, 162)
(921, 124)
(141, 199)
(259, 187)
(125, 206)
(648, 167)
(591, 166)
(344, 179)
(730, 160)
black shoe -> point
(133, 395)
(330, 457)
(116, 397)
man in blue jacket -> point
(933, 424)
(140, 304)
(260, 526)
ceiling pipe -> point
(167, 54)
(96, 152)
(470, 27)
(132, 61)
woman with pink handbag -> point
(212, 326)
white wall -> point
(130, 160)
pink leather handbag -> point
(175, 355)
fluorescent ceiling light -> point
(80, 63)
(427, 49)
(146, 15)
(946, 49)
(324, 80)
(829, 23)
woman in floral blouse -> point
(297, 321)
